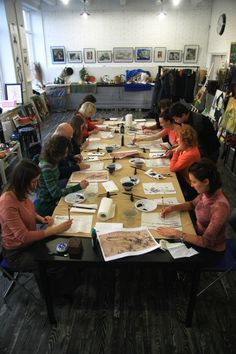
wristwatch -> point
(182, 237)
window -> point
(29, 35)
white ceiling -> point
(129, 5)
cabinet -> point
(12, 154)
(66, 97)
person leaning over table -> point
(163, 106)
(86, 111)
(169, 130)
(72, 162)
(50, 189)
(92, 99)
(18, 218)
(77, 141)
(207, 138)
(184, 155)
(211, 209)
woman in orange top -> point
(184, 156)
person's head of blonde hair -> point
(87, 109)
(187, 136)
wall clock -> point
(221, 24)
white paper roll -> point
(129, 120)
(105, 209)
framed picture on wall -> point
(159, 54)
(232, 57)
(58, 55)
(104, 56)
(191, 53)
(174, 55)
(74, 57)
(143, 54)
(13, 92)
(123, 55)
(89, 55)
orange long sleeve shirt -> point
(181, 162)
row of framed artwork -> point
(125, 55)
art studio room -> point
(117, 176)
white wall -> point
(221, 44)
(105, 30)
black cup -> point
(128, 186)
(111, 168)
(109, 149)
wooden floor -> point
(138, 312)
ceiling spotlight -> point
(85, 12)
(161, 14)
(176, 2)
(65, 2)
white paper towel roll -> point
(105, 209)
(129, 120)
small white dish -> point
(145, 205)
(73, 198)
(135, 160)
(133, 179)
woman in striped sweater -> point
(50, 190)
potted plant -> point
(83, 73)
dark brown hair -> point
(88, 98)
(77, 123)
(203, 169)
(55, 149)
(21, 177)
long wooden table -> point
(157, 259)
(123, 201)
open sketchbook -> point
(121, 243)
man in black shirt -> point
(207, 138)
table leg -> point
(192, 297)
(47, 293)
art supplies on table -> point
(121, 243)
(106, 209)
(82, 223)
(90, 176)
(159, 188)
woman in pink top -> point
(168, 125)
(211, 209)
(18, 218)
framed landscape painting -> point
(74, 57)
(143, 54)
(191, 53)
(174, 55)
(123, 55)
(58, 55)
(104, 56)
(89, 55)
(159, 54)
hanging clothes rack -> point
(196, 67)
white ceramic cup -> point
(129, 120)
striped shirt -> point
(49, 191)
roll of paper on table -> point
(94, 238)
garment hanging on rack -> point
(178, 84)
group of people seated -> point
(193, 154)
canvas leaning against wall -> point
(217, 107)
(229, 119)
